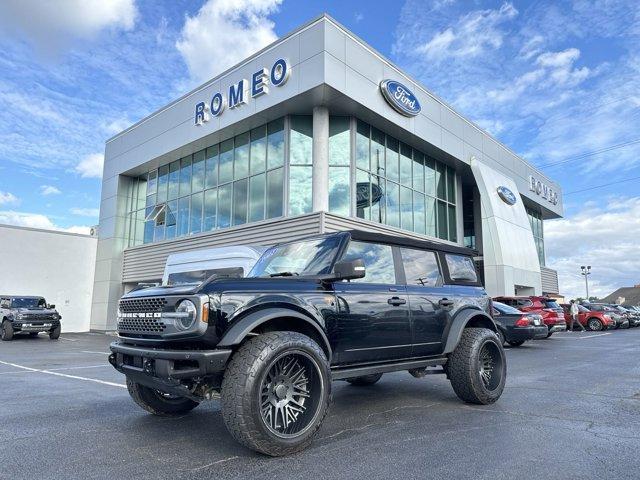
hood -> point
(36, 311)
(161, 291)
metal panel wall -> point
(549, 280)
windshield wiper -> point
(284, 274)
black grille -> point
(146, 305)
(141, 325)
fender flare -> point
(460, 322)
(238, 332)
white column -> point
(320, 169)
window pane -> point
(151, 200)
(363, 195)
(418, 171)
(419, 218)
(440, 181)
(240, 202)
(174, 179)
(158, 231)
(183, 216)
(443, 230)
(224, 206)
(275, 145)
(339, 192)
(431, 216)
(393, 204)
(152, 182)
(377, 199)
(461, 268)
(405, 165)
(163, 183)
(392, 169)
(211, 179)
(258, 149)
(301, 140)
(275, 191)
(225, 168)
(171, 218)
(362, 145)
(256, 197)
(453, 231)
(429, 177)
(139, 232)
(378, 261)
(339, 141)
(185, 176)
(420, 267)
(241, 165)
(196, 213)
(406, 208)
(197, 178)
(141, 192)
(451, 185)
(148, 231)
(210, 209)
(299, 190)
(377, 152)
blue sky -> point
(556, 81)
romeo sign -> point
(543, 190)
(240, 92)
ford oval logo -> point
(507, 196)
(400, 98)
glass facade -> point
(535, 219)
(267, 173)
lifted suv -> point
(344, 306)
(29, 315)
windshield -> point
(28, 302)
(506, 309)
(582, 309)
(551, 304)
(307, 257)
(196, 277)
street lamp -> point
(586, 271)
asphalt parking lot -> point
(571, 409)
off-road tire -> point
(242, 386)
(55, 333)
(157, 403)
(594, 324)
(464, 367)
(516, 343)
(7, 331)
(501, 337)
(364, 380)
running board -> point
(349, 372)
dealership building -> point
(315, 133)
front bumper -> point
(27, 325)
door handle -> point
(396, 301)
(445, 302)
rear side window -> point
(524, 302)
(551, 304)
(378, 261)
(420, 267)
(461, 268)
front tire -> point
(477, 367)
(55, 333)
(364, 380)
(276, 392)
(6, 332)
(158, 403)
(594, 325)
(501, 337)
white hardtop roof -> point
(238, 251)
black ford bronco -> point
(30, 315)
(342, 306)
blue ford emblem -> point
(400, 98)
(507, 196)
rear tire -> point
(364, 380)
(594, 325)
(55, 333)
(477, 367)
(516, 344)
(158, 403)
(276, 392)
(6, 332)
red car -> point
(591, 320)
(551, 313)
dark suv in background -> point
(551, 313)
(343, 306)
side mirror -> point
(349, 269)
(52, 306)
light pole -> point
(586, 271)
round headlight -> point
(189, 311)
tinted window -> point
(461, 268)
(306, 257)
(551, 304)
(505, 309)
(524, 303)
(420, 267)
(378, 261)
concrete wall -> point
(59, 266)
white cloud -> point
(37, 220)
(8, 198)
(603, 236)
(49, 190)
(91, 166)
(51, 26)
(224, 32)
(474, 33)
(85, 212)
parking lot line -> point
(58, 374)
(91, 351)
(593, 336)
